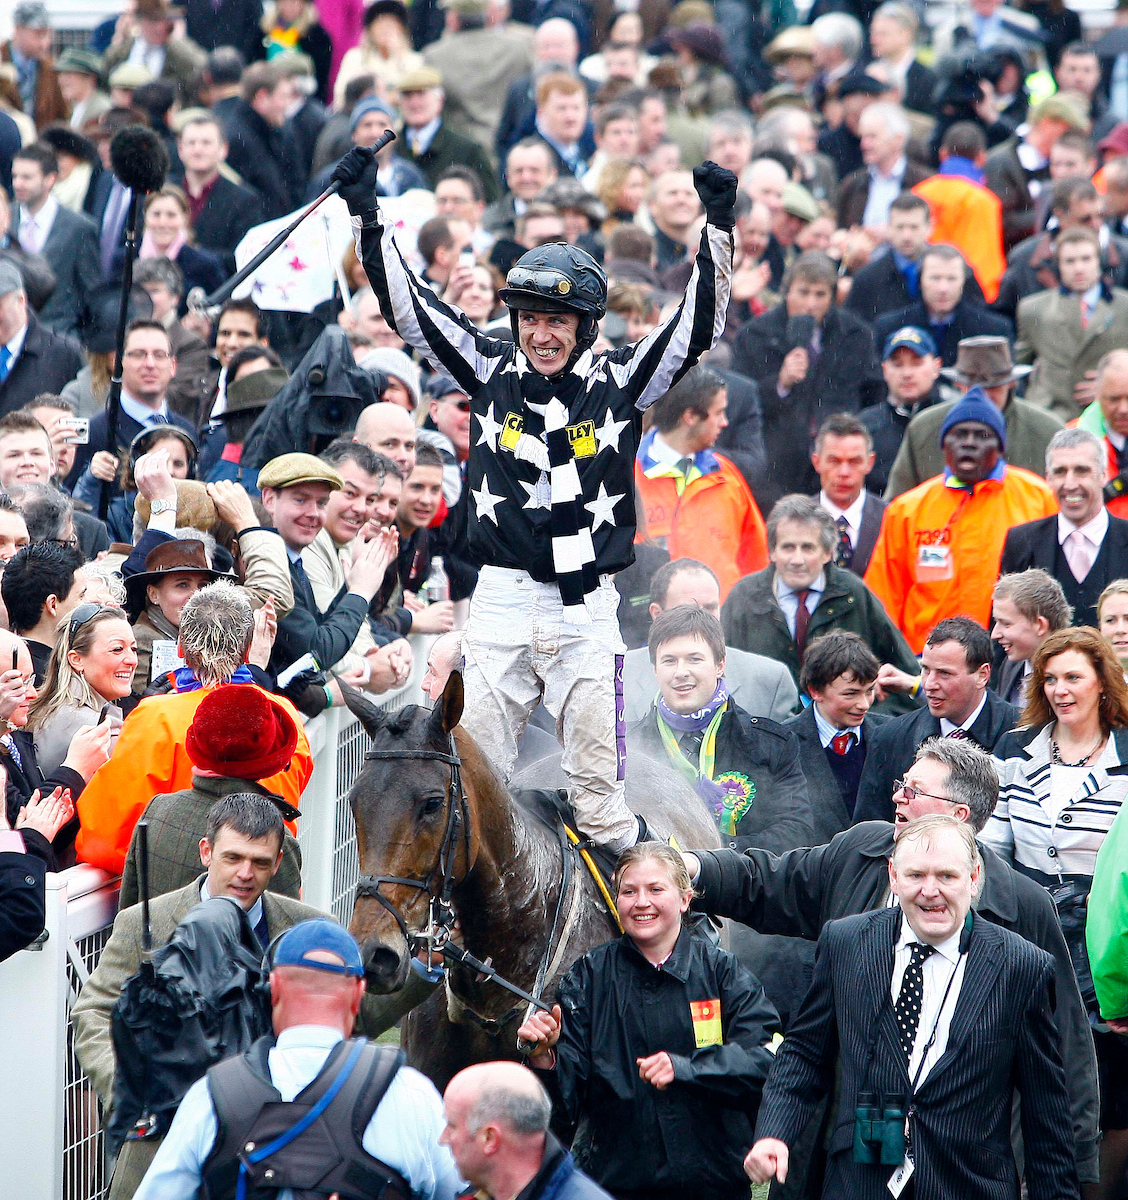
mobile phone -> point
(15, 659)
(80, 430)
(467, 259)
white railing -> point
(51, 1143)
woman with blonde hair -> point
(384, 50)
(1063, 777)
(90, 673)
(168, 234)
(622, 190)
(1112, 618)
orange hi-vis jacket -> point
(970, 217)
(151, 758)
(715, 520)
(939, 548)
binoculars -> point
(879, 1130)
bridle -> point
(440, 911)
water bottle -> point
(437, 586)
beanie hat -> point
(975, 406)
(241, 731)
(367, 105)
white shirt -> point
(828, 732)
(947, 727)
(152, 58)
(943, 964)
(1093, 530)
(853, 514)
(404, 1130)
(883, 190)
(15, 346)
(35, 229)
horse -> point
(440, 837)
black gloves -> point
(717, 188)
(306, 691)
(355, 178)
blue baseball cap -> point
(294, 947)
(913, 338)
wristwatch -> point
(160, 506)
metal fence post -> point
(316, 824)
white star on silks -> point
(534, 501)
(490, 429)
(486, 501)
(610, 432)
(602, 508)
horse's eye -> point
(432, 805)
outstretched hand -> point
(716, 187)
(356, 179)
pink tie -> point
(1079, 554)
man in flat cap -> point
(79, 72)
(29, 50)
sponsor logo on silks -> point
(706, 1016)
(739, 792)
(511, 433)
(582, 437)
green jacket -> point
(450, 149)
(1106, 927)
(1029, 430)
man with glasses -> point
(799, 892)
(147, 369)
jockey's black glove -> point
(356, 177)
(717, 188)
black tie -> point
(907, 1008)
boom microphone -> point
(139, 158)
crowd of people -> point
(751, 398)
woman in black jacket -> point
(659, 1046)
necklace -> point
(1057, 760)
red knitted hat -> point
(239, 730)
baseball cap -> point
(919, 341)
(294, 947)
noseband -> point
(439, 908)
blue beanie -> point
(367, 105)
(975, 406)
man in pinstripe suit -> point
(944, 1011)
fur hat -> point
(239, 730)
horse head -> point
(412, 827)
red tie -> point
(960, 735)
(802, 619)
(841, 742)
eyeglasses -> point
(70, 543)
(911, 793)
(461, 405)
(84, 613)
(160, 356)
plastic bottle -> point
(437, 587)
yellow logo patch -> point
(511, 434)
(706, 1016)
(582, 437)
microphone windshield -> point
(139, 158)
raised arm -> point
(410, 306)
(648, 369)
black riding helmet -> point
(558, 278)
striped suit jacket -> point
(1024, 827)
(1002, 1035)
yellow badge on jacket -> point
(706, 1016)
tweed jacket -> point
(177, 822)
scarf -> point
(184, 679)
(149, 248)
(730, 795)
(573, 553)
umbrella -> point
(202, 998)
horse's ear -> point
(448, 711)
(371, 717)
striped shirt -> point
(1050, 831)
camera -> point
(879, 1130)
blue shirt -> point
(404, 1130)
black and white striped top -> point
(1037, 833)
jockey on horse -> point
(550, 479)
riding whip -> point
(209, 306)
(140, 161)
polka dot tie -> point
(907, 1008)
